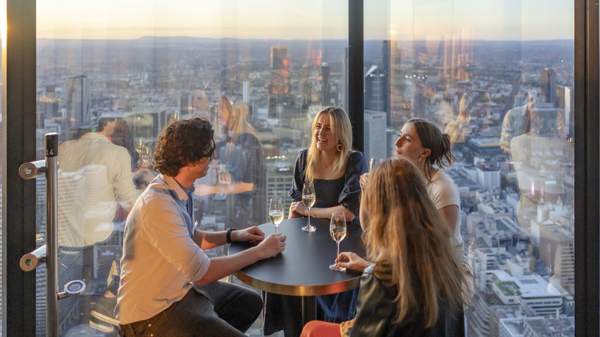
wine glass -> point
(308, 199)
(337, 230)
(276, 212)
(374, 162)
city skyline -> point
(406, 20)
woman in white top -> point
(430, 150)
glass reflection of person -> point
(541, 160)
(103, 170)
(242, 173)
(241, 161)
(96, 192)
(335, 169)
(515, 123)
(414, 285)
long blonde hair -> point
(408, 241)
(342, 132)
(237, 118)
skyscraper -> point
(375, 134)
(78, 113)
(246, 92)
(386, 68)
(280, 86)
(376, 94)
(547, 83)
(325, 73)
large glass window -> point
(497, 77)
(112, 74)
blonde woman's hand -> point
(364, 178)
(352, 261)
(297, 209)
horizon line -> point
(292, 39)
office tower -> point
(488, 176)
(325, 89)
(77, 96)
(375, 134)
(48, 104)
(280, 85)
(564, 100)
(280, 173)
(548, 327)
(386, 67)
(246, 92)
(376, 94)
(557, 251)
(344, 85)
(185, 104)
(546, 120)
(547, 83)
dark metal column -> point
(356, 71)
(587, 169)
(20, 144)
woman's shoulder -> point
(356, 158)
(442, 179)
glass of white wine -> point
(308, 199)
(337, 230)
(276, 212)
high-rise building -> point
(185, 104)
(557, 251)
(564, 98)
(280, 85)
(376, 94)
(325, 86)
(375, 134)
(78, 112)
(547, 83)
(246, 92)
(280, 173)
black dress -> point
(282, 311)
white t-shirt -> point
(443, 192)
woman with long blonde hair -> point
(331, 165)
(413, 287)
(334, 169)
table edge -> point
(299, 290)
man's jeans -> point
(216, 310)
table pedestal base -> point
(309, 309)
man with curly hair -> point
(169, 286)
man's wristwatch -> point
(228, 235)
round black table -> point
(303, 267)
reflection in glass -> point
(275, 65)
(503, 92)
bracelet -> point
(228, 235)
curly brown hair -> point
(183, 142)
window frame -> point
(20, 112)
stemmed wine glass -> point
(276, 212)
(308, 199)
(337, 230)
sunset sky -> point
(305, 19)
